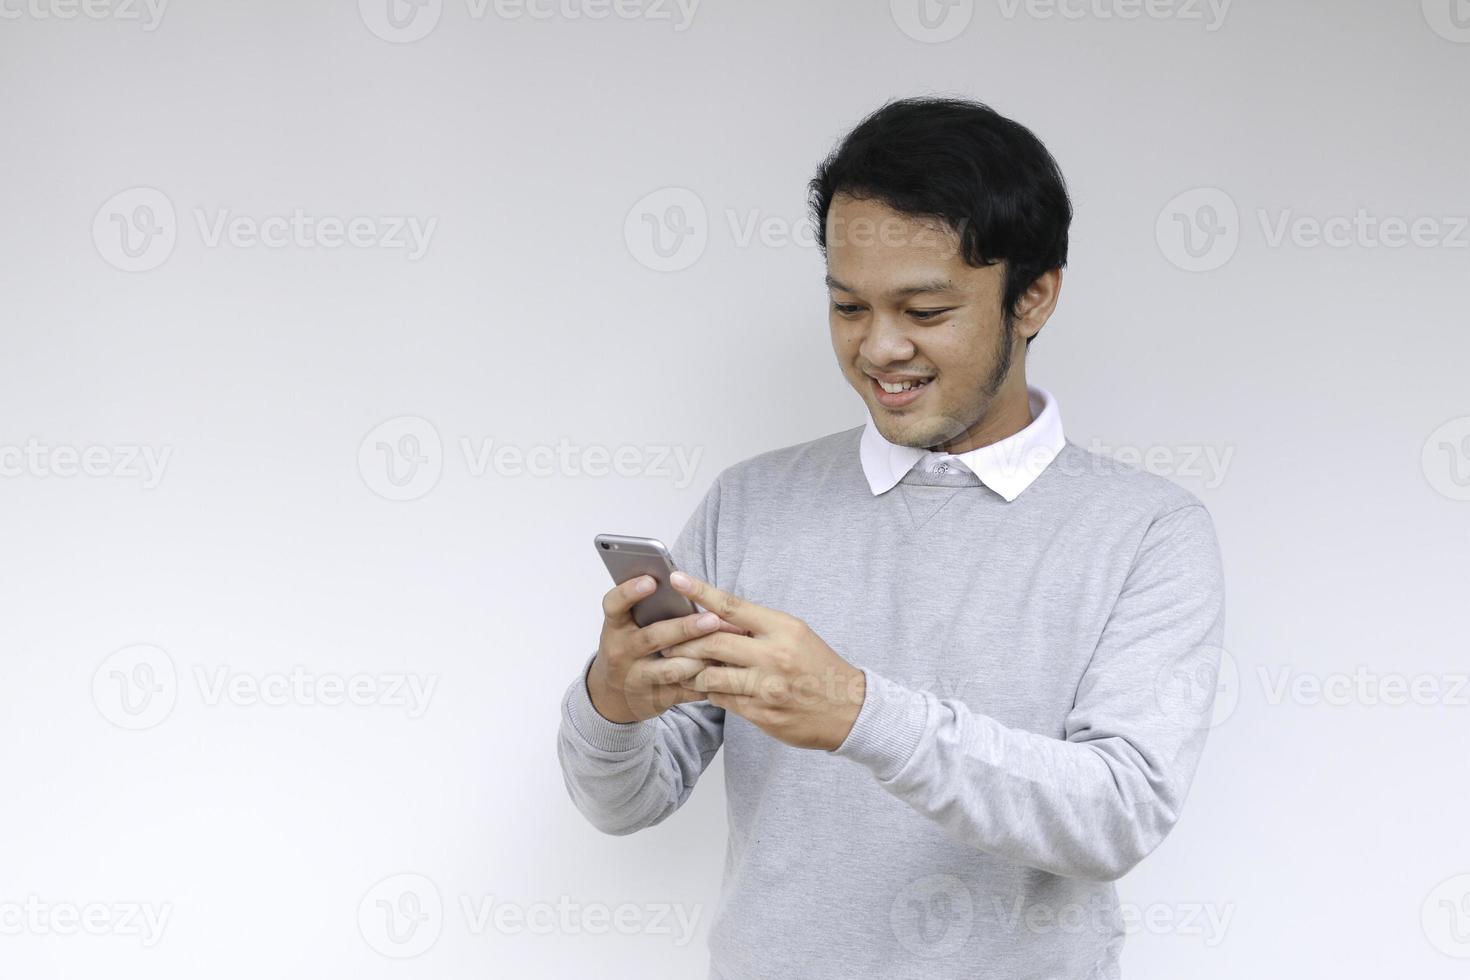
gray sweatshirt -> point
(1040, 677)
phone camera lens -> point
(605, 546)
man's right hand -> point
(628, 680)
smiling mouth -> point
(894, 389)
(897, 394)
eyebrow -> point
(929, 286)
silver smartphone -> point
(628, 557)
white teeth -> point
(894, 389)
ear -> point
(1036, 304)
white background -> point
(1328, 832)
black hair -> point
(988, 177)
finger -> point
(737, 703)
(674, 671)
(617, 604)
(666, 697)
(727, 605)
(731, 648)
(724, 680)
(682, 696)
(666, 633)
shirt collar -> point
(1007, 467)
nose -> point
(886, 342)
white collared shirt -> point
(1007, 467)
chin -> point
(914, 432)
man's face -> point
(906, 306)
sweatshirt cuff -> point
(597, 731)
(888, 728)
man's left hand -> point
(782, 677)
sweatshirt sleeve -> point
(1096, 802)
(625, 777)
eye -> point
(847, 309)
(923, 315)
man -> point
(961, 667)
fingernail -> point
(679, 579)
(645, 584)
(708, 621)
